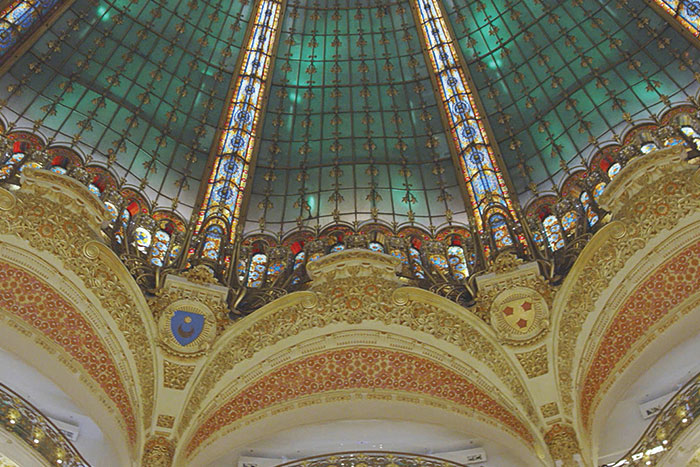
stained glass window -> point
(401, 255)
(553, 230)
(299, 260)
(458, 262)
(691, 133)
(94, 190)
(112, 209)
(687, 12)
(19, 18)
(569, 221)
(256, 273)
(648, 147)
(614, 170)
(337, 247)
(484, 181)
(538, 239)
(675, 141)
(315, 256)
(598, 190)
(376, 247)
(499, 231)
(440, 263)
(160, 247)
(142, 238)
(588, 209)
(274, 271)
(212, 243)
(416, 263)
(228, 179)
(10, 164)
(241, 269)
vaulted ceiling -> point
(352, 129)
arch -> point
(358, 351)
(79, 342)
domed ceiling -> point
(353, 127)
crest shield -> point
(186, 326)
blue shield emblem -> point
(186, 327)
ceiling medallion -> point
(186, 328)
(519, 315)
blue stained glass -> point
(569, 221)
(686, 12)
(461, 111)
(416, 263)
(337, 247)
(58, 169)
(230, 173)
(8, 166)
(212, 243)
(614, 170)
(94, 190)
(590, 214)
(401, 255)
(598, 190)
(19, 18)
(256, 272)
(299, 260)
(376, 246)
(274, 271)
(160, 247)
(458, 262)
(112, 211)
(648, 147)
(440, 263)
(553, 231)
(315, 256)
(499, 231)
(142, 238)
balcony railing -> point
(669, 425)
(371, 459)
(26, 422)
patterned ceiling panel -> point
(352, 130)
(557, 76)
(139, 85)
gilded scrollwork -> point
(652, 199)
(535, 362)
(176, 376)
(158, 452)
(58, 221)
(357, 292)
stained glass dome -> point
(352, 123)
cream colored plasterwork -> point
(364, 338)
(50, 213)
(360, 287)
(658, 179)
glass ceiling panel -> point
(556, 76)
(142, 82)
(352, 130)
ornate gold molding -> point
(654, 194)
(176, 376)
(356, 292)
(56, 215)
(535, 362)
